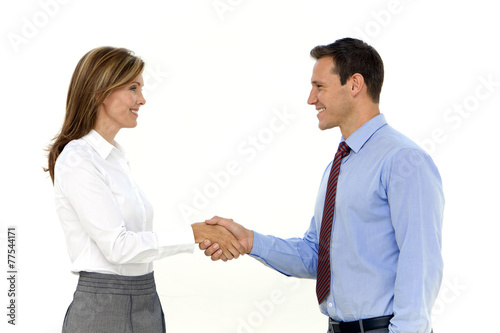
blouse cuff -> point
(176, 240)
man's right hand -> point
(243, 235)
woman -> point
(106, 218)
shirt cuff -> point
(260, 246)
(176, 240)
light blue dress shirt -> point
(386, 237)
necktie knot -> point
(343, 149)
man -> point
(375, 236)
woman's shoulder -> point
(77, 153)
(76, 147)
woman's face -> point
(121, 108)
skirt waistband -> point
(116, 284)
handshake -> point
(222, 238)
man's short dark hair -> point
(352, 56)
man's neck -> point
(360, 117)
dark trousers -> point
(115, 304)
(380, 330)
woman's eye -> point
(134, 88)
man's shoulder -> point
(391, 140)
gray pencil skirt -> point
(113, 303)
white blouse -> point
(106, 218)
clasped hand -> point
(223, 238)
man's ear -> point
(357, 82)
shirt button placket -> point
(136, 192)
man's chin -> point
(325, 127)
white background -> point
(216, 77)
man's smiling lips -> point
(320, 110)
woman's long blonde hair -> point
(96, 75)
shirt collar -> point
(357, 139)
(100, 145)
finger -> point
(205, 244)
(239, 247)
(217, 255)
(212, 249)
(213, 220)
(234, 251)
(229, 224)
(227, 254)
(223, 258)
(225, 251)
(229, 244)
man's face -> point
(331, 99)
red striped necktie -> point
(324, 272)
